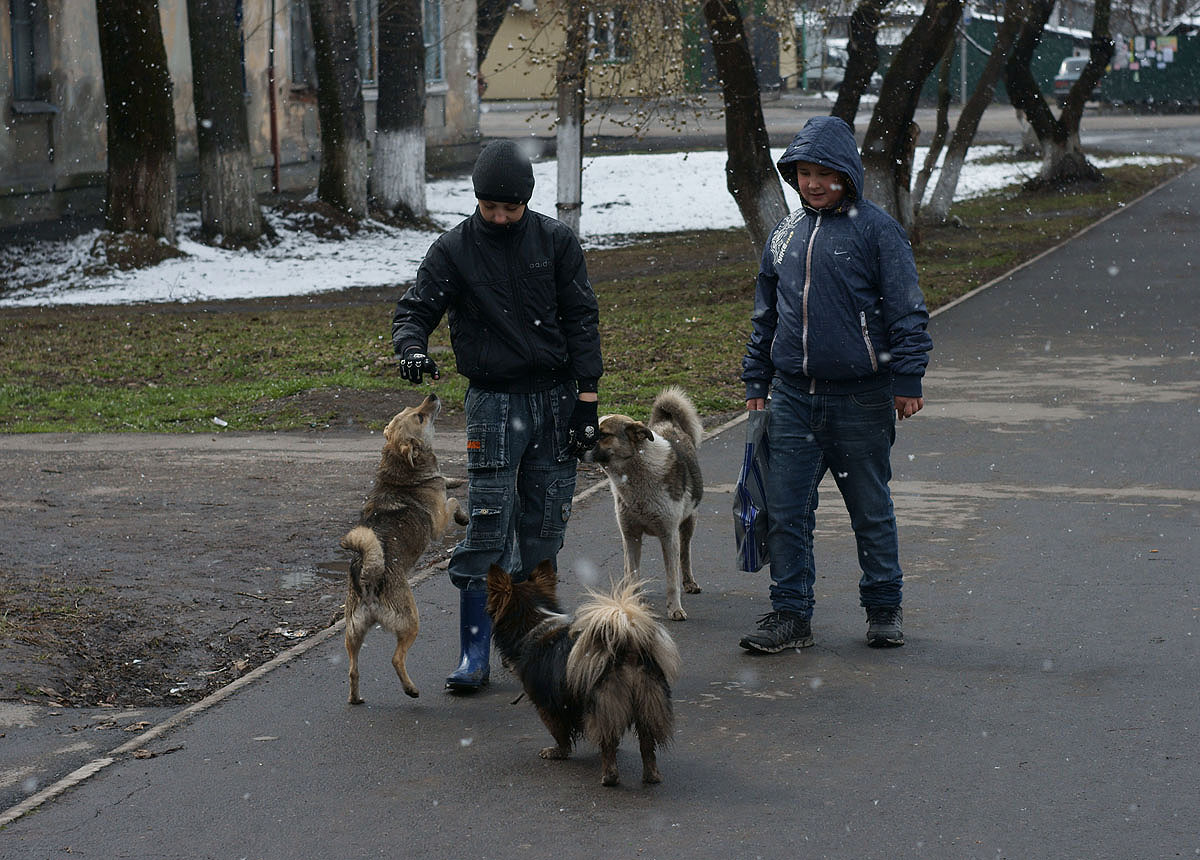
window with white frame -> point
(611, 36)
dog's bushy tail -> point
(617, 628)
(368, 568)
(672, 404)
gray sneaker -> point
(777, 631)
(884, 628)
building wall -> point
(522, 60)
(53, 163)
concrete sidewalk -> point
(1044, 706)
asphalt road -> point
(677, 128)
(1044, 706)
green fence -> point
(1157, 72)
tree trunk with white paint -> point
(888, 148)
(972, 112)
(229, 210)
(571, 78)
(1063, 159)
(343, 179)
(141, 119)
(398, 173)
(750, 173)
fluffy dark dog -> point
(405, 511)
(596, 675)
(656, 484)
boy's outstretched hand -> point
(585, 429)
(907, 407)
(413, 364)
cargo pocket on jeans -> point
(488, 521)
(487, 423)
(558, 508)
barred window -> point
(611, 36)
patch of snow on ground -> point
(623, 194)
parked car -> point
(1068, 74)
(828, 72)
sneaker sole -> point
(766, 649)
(884, 642)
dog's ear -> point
(389, 432)
(498, 580)
(545, 577)
(637, 432)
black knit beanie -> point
(503, 173)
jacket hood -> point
(829, 142)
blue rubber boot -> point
(475, 638)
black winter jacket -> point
(521, 310)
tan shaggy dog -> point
(406, 510)
(656, 483)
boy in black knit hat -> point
(524, 327)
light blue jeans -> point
(850, 435)
(520, 483)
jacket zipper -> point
(515, 296)
(808, 252)
(862, 321)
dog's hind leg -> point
(647, 743)
(356, 631)
(404, 641)
(608, 762)
(686, 529)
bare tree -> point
(141, 119)
(1063, 159)
(968, 119)
(891, 136)
(750, 173)
(343, 178)
(862, 57)
(398, 174)
(571, 81)
(229, 210)
(941, 129)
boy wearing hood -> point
(838, 340)
(524, 326)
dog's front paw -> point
(651, 776)
(678, 614)
(356, 700)
(554, 753)
(412, 693)
(691, 588)
(610, 777)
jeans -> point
(520, 483)
(852, 435)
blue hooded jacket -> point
(837, 307)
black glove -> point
(414, 363)
(585, 430)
